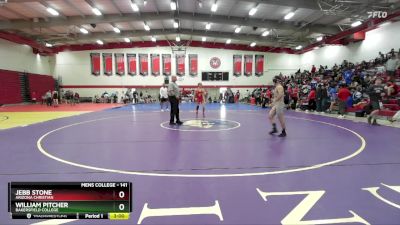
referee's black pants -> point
(174, 109)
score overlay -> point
(70, 200)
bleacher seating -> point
(41, 84)
(10, 91)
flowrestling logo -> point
(377, 14)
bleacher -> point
(10, 91)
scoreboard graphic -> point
(70, 200)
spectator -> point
(391, 66)
(312, 100)
(313, 69)
(55, 98)
(343, 96)
(48, 98)
(33, 97)
(375, 92)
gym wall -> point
(16, 57)
(381, 39)
(74, 69)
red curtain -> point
(144, 64)
(193, 64)
(166, 58)
(131, 62)
(155, 64)
(180, 64)
(95, 63)
(237, 65)
(248, 65)
(259, 65)
(107, 63)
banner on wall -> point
(193, 64)
(119, 63)
(259, 65)
(237, 65)
(95, 63)
(166, 59)
(248, 65)
(155, 64)
(180, 64)
(131, 62)
(107, 63)
(143, 64)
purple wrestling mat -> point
(221, 169)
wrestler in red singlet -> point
(200, 95)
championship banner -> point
(180, 64)
(166, 59)
(143, 64)
(131, 62)
(95, 63)
(155, 64)
(248, 65)
(237, 65)
(259, 65)
(107, 63)
(193, 64)
(119, 63)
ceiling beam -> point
(159, 32)
(78, 20)
(131, 17)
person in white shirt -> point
(164, 98)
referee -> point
(173, 96)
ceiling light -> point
(178, 39)
(356, 24)
(173, 5)
(146, 27)
(320, 38)
(252, 11)
(96, 11)
(214, 7)
(289, 15)
(265, 33)
(200, 3)
(238, 29)
(153, 39)
(145, 2)
(228, 41)
(176, 24)
(208, 26)
(116, 30)
(83, 30)
(49, 45)
(134, 7)
(52, 11)
(203, 39)
(127, 40)
(253, 44)
(299, 47)
(100, 42)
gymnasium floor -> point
(224, 169)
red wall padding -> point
(40, 84)
(10, 91)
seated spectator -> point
(391, 89)
(33, 97)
